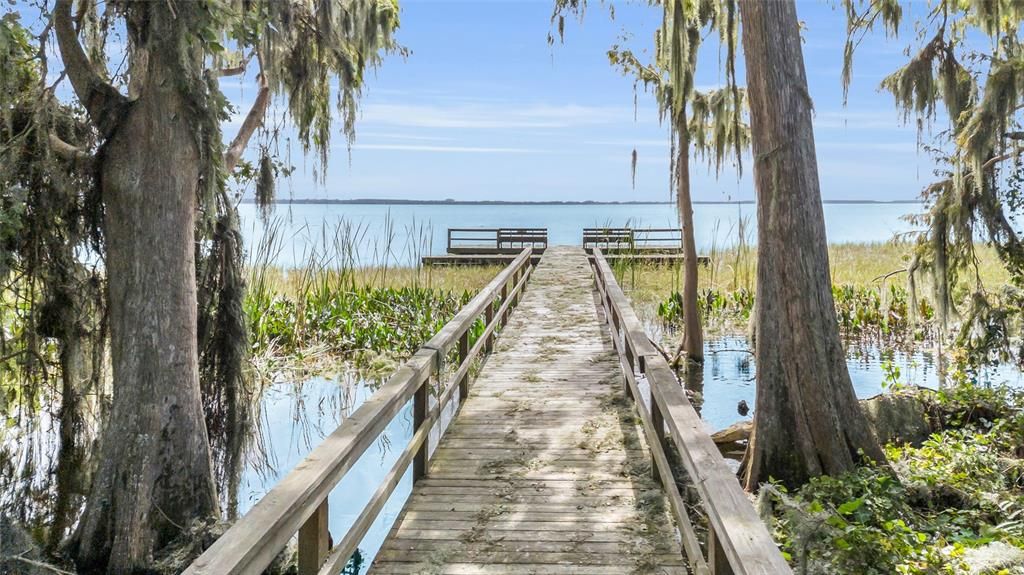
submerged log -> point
(739, 431)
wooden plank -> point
(536, 545)
(538, 557)
(511, 535)
(525, 569)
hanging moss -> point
(265, 186)
(981, 88)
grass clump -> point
(869, 289)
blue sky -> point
(484, 108)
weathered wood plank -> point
(526, 569)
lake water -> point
(296, 417)
(400, 234)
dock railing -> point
(479, 241)
(738, 541)
(633, 240)
(298, 503)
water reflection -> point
(294, 418)
(730, 371)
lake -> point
(400, 234)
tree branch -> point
(68, 151)
(253, 120)
(235, 70)
(103, 102)
(231, 71)
(1000, 158)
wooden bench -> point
(484, 241)
(630, 240)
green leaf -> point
(850, 506)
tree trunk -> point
(807, 420)
(154, 475)
(693, 335)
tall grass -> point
(337, 304)
(868, 279)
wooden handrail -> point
(738, 541)
(298, 503)
(628, 239)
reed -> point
(869, 282)
(336, 304)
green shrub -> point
(962, 488)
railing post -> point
(489, 318)
(314, 541)
(630, 360)
(463, 355)
(658, 423)
(419, 415)
(504, 298)
(718, 564)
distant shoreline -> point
(400, 202)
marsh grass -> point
(336, 306)
(727, 284)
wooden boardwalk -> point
(547, 466)
(545, 470)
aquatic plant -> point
(379, 319)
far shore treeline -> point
(404, 202)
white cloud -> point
(448, 149)
(490, 116)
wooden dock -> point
(556, 460)
(503, 260)
(545, 470)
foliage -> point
(967, 60)
(48, 225)
(379, 319)
(861, 311)
(961, 489)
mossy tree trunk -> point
(154, 471)
(807, 420)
